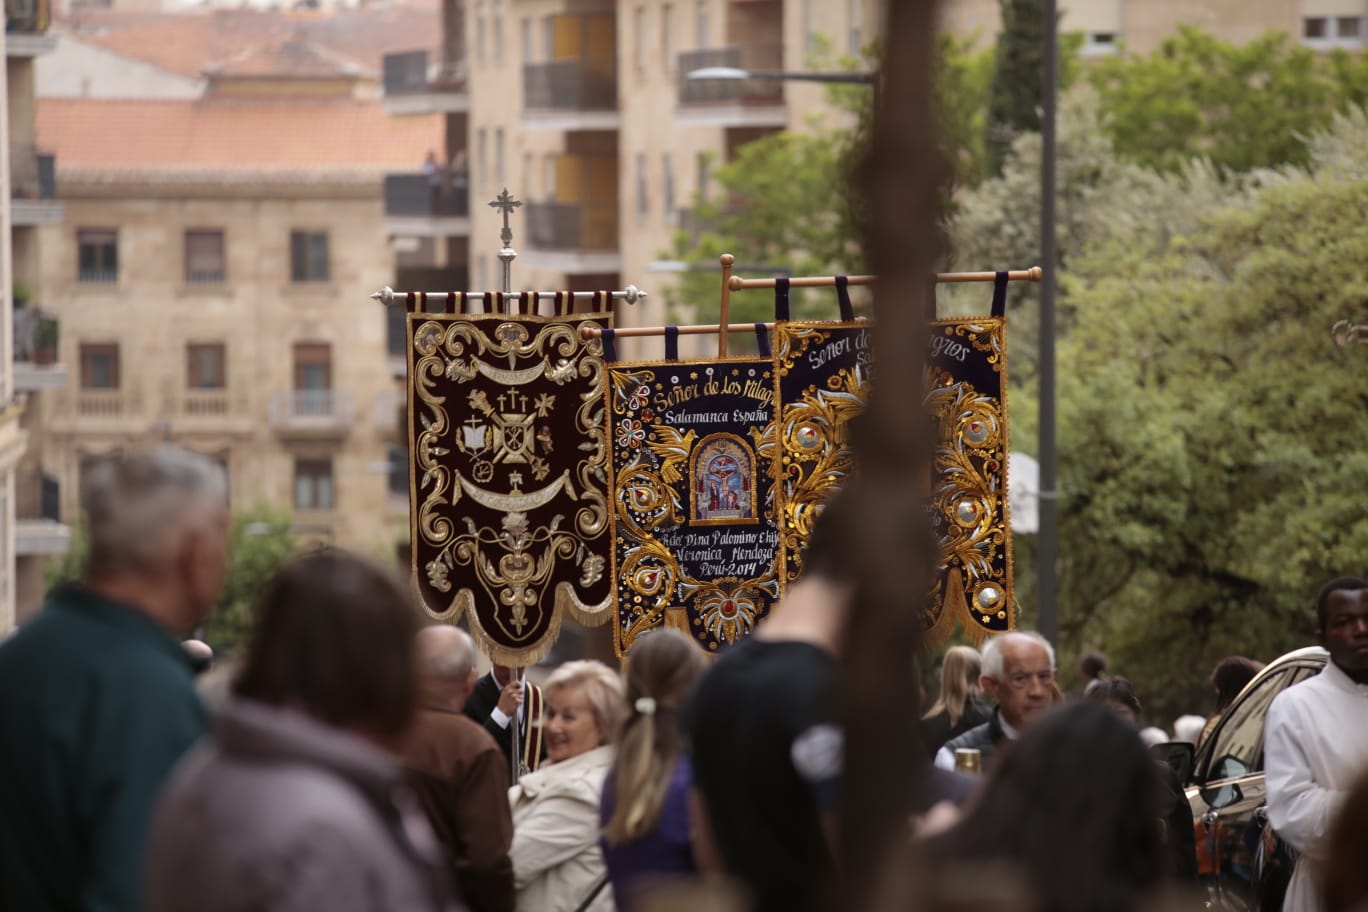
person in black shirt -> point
(497, 701)
(957, 709)
(767, 755)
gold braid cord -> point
(508, 477)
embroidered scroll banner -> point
(694, 517)
(966, 382)
(507, 478)
(822, 376)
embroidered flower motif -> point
(639, 398)
(515, 523)
(630, 433)
(437, 571)
(591, 571)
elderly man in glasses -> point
(1018, 673)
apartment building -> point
(212, 274)
(30, 527)
(1141, 25)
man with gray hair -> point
(460, 773)
(1019, 673)
(97, 697)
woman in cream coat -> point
(557, 863)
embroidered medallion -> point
(694, 515)
(509, 509)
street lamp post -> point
(854, 77)
(1047, 543)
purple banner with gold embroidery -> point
(822, 376)
(694, 517)
(966, 382)
(508, 479)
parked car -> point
(1242, 864)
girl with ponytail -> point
(650, 826)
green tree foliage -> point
(1014, 98)
(261, 540)
(1241, 106)
(1209, 430)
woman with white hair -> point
(557, 863)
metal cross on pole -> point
(505, 203)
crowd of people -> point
(359, 760)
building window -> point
(309, 256)
(204, 259)
(499, 157)
(97, 255)
(99, 365)
(667, 36)
(703, 171)
(1098, 44)
(526, 28)
(701, 25)
(312, 366)
(639, 38)
(856, 10)
(313, 488)
(643, 203)
(668, 195)
(1333, 31)
(498, 17)
(206, 366)
(480, 32)
(549, 38)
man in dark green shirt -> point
(97, 701)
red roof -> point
(191, 42)
(233, 135)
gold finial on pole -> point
(724, 318)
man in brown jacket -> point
(460, 773)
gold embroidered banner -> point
(966, 382)
(695, 522)
(508, 468)
(822, 376)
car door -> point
(1231, 792)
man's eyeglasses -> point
(1020, 680)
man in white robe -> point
(1316, 737)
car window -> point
(1238, 742)
(1296, 675)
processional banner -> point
(966, 383)
(822, 376)
(694, 517)
(508, 473)
(823, 373)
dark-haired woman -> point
(649, 829)
(1072, 808)
(298, 801)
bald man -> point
(460, 773)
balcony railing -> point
(573, 226)
(35, 337)
(409, 73)
(100, 404)
(205, 277)
(205, 403)
(732, 91)
(442, 194)
(33, 175)
(312, 410)
(27, 16)
(570, 85)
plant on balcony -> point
(21, 294)
(45, 338)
